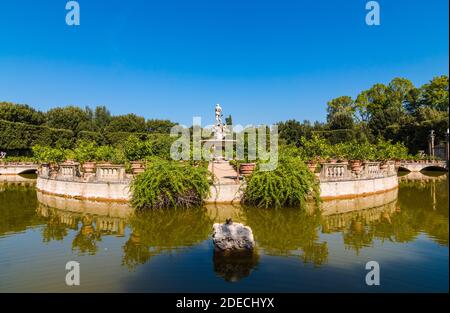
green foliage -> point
(17, 136)
(20, 113)
(385, 150)
(291, 131)
(341, 105)
(21, 127)
(135, 149)
(89, 151)
(159, 126)
(47, 154)
(96, 137)
(85, 151)
(126, 123)
(71, 117)
(109, 153)
(170, 184)
(153, 145)
(316, 147)
(290, 184)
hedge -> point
(20, 136)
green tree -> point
(102, 117)
(229, 120)
(70, 117)
(159, 126)
(435, 93)
(342, 105)
(127, 123)
(20, 113)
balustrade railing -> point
(342, 171)
(71, 172)
(334, 171)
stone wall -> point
(108, 183)
(111, 183)
(339, 180)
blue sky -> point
(264, 61)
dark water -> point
(171, 251)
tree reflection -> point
(288, 232)
(422, 206)
(156, 231)
(86, 239)
(18, 204)
(56, 223)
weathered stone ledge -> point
(111, 183)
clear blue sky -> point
(264, 61)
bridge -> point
(429, 165)
(13, 168)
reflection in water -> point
(343, 231)
(17, 207)
(58, 222)
(156, 231)
(357, 226)
(235, 266)
(425, 207)
(287, 232)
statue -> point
(219, 131)
(218, 114)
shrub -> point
(109, 153)
(315, 147)
(91, 136)
(290, 184)
(136, 149)
(85, 151)
(19, 136)
(170, 184)
(48, 154)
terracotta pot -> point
(137, 167)
(333, 161)
(355, 166)
(89, 167)
(247, 168)
(321, 161)
(105, 163)
(312, 166)
(54, 167)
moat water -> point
(171, 251)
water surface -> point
(405, 231)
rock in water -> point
(232, 237)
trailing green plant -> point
(290, 184)
(170, 184)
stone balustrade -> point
(368, 170)
(108, 172)
(334, 171)
(71, 171)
